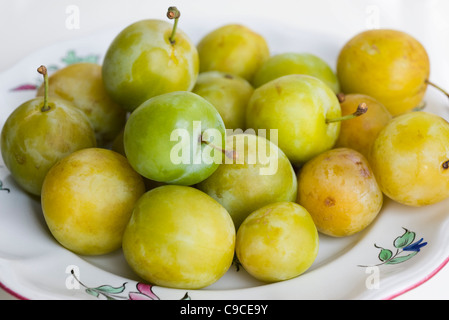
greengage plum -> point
(118, 146)
(179, 237)
(82, 84)
(277, 242)
(148, 58)
(228, 93)
(88, 198)
(174, 137)
(234, 49)
(410, 158)
(389, 65)
(340, 191)
(359, 133)
(254, 179)
(296, 63)
(304, 110)
(40, 132)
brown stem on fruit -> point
(231, 154)
(361, 109)
(43, 71)
(445, 165)
(438, 88)
(173, 13)
(341, 97)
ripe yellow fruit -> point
(388, 65)
(88, 198)
(359, 133)
(251, 181)
(277, 242)
(340, 191)
(82, 84)
(410, 159)
(234, 49)
(179, 237)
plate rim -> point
(13, 292)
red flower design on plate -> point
(145, 292)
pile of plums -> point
(189, 157)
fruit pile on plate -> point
(191, 156)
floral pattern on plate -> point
(402, 244)
(70, 58)
(143, 291)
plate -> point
(368, 265)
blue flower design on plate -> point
(404, 243)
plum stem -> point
(231, 154)
(341, 97)
(438, 88)
(361, 109)
(43, 70)
(445, 165)
(173, 13)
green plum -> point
(119, 147)
(410, 158)
(82, 84)
(179, 237)
(174, 137)
(149, 58)
(254, 179)
(296, 63)
(228, 93)
(40, 132)
(389, 65)
(234, 49)
(277, 242)
(304, 110)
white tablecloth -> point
(28, 25)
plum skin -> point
(277, 242)
(340, 191)
(297, 106)
(82, 84)
(408, 159)
(228, 93)
(388, 65)
(234, 49)
(241, 188)
(296, 63)
(141, 63)
(32, 141)
(87, 200)
(179, 237)
(360, 133)
(148, 140)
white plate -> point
(34, 266)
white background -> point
(28, 25)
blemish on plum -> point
(20, 158)
(278, 89)
(364, 172)
(329, 202)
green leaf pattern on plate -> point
(403, 244)
(143, 291)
